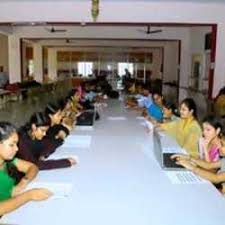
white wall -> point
(170, 61)
(113, 11)
(123, 11)
(219, 76)
(14, 59)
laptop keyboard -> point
(184, 177)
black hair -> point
(222, 91)
(63, 102)
(157, 92)
(51, 109)
(39, 119)
(191, 105)
(170, 105)
(6, 130)
(214, 121)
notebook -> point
(116, 118)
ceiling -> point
(196, 1)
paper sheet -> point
(78, 141)
(147, 124)
(59, 190)
(140, 118)
(184, 177)
(87, 128)
(117, 118)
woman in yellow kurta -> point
(185, 130)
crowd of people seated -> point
(204, 141)
(25, 151)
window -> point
(85, 68)
(122, 66)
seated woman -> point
(185, 130)
(210, 143)
(212, 171)
(12, 195)
(33, 149)
(54, 113)
(169, 112)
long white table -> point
(119, 182)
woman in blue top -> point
(12, 195)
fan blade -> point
(59, 30)
(142, 31)
(53, 30)
(154, 31)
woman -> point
(169, 111)
(210, 142)
(212, 171)
(185, 130)
(32, 148)
(56, 133)
(12, 195)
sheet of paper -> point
(77, 141)
(184, 177)
(86, 128)
(140, 118)
(117, 118)
(59, 190)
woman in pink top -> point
(210, 143)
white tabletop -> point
(118, 182)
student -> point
(33, 149)
(12, 195)
(210, 142)
(142, 100)
(54, 113)
(185, 130)
(155, 110)
(169, 111)
(212, 171)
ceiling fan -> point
(53, 30)
(150, 31)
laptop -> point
(87, 118)
(164, 158)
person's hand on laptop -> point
(178, 157)
(186, 164)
